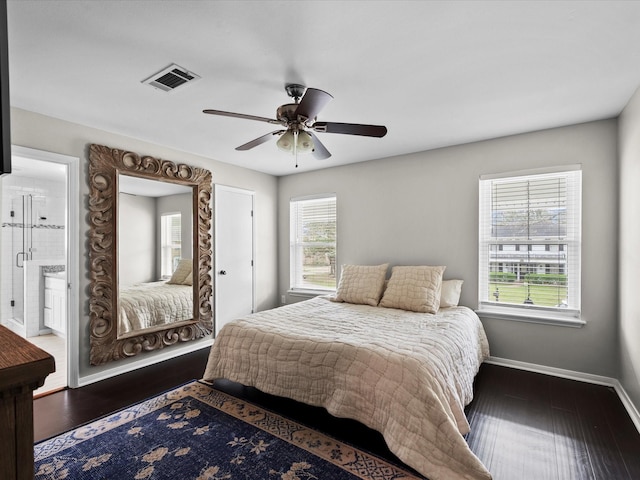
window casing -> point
(530, 243)
(313, 243)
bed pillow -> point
(415, 288)
(188, 280)
(183, 270)
(450, 295)
(361, 284)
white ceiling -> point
(436, 73)
(149, 188)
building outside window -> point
(313, 243)
(530, 242)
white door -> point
(234, 280)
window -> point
(530, 243)
(313, 243)
(170, 242)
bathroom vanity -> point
(55, 301)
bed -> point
(153, 304)
(407, 374)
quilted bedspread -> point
(148, 305)
(407, 375)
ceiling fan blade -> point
(351, 129)
(260, 140)
(312, 102)
(241, 115)
(320, 152)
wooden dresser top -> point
(21, 362)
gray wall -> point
(423, 209)
(136, 239)
(630, 248)
(139, 234)
(37, 131)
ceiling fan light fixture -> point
(285, 142)
(305, 142)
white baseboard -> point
(160, 357)
(579, 376)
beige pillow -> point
(189, 279)
(450, 295)
(416, 289)
(183, 270)
(361, 284)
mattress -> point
(407, 375)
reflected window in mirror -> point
(171, 242)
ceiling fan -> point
(299, 123)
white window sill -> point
(309, 293)
(545, 318)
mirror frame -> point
(105, 164)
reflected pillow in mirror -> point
(188, 280)
(183, 270)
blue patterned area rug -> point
(197, 432)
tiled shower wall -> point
(47, 231)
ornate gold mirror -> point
(167, 300)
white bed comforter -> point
(407, 375)
(153, 304)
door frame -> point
(252, 194)
(72, 254)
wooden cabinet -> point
(23, 368)
(55, 303)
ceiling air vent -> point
(170, 78)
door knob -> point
(222, 272)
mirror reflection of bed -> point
(155, 257)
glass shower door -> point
(17, 247)
(22, 250)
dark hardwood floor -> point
(531, 426)
(524, 426)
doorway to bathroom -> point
(35, 274)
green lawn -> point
(543, 295)
(319, 277)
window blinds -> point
(313, 242)
(171, 242)
(530, 235)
